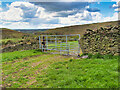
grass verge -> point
(10, 56)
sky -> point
(36, 14)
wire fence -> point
(60, 44)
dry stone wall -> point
(102, 41)
(33, 44)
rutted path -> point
(23, 72)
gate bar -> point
(61, 35)
(67, 46)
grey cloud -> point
(93, 9)
(61, 6)
(28, 12)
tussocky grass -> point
(80, 73)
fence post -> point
(39, 43)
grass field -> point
(34, 69)
(84, 73)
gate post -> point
(39, 43)
(60, 47)
(67, 45)
(44, 43)
(79, 46)
(47, 43)
(56, 42)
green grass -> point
(56, 71)
(24, 72)
(10, 56)
(80, 73)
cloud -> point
(116, 7)
(62, 9)
(13, 14)
(115, 17)
(28, 13)
(78, 0)
(61, 6)
(31, 15)
(37, 21)
(1, 9)
(62, 21)
(80, 18)
(92, 9)
(0, 3)
(66, 13)
(116, 1)
(16, 25)
(29, 9)
(63, 0)
(19, 11)
(41, 13)
(1, 6)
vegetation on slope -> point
(79, 29)
(8, 33)
(12, 38)
(24, 44)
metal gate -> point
(60, 44)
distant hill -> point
(30, 30)
(80, 29)
(77, 29)
(8, 33)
